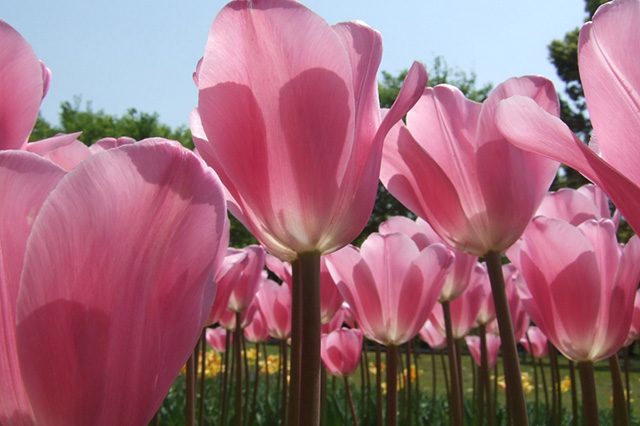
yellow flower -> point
(565, 384)
(372, 367)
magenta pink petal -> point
(21, 88)
(126, 243)
(26, 180)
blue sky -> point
(141, 53)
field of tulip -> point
(429, 407)
(115, 261)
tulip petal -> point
(529, 127)
(117, 283)
(25, 182)
(611, 79)
(21, 88)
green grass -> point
(426, 411)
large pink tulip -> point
(423, 235)
(341, 350)
(292, 123)
(451, 166)
(611, 80)
(25, 182)
(126, 246)
(390, 284)
(578, 287)
(274, 302)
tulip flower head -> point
(578, 286)
(450, 166)
(340, 351)
(390, 284)
(291, 122)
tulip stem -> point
(589, 399)
(283, 369)
(310, 352)
(535, 378)
(574, 394)
(350, 399)
(203, 365)
(455, 397)
(296, 343)
(190, 404)
(237, 349)
(512, 374)
(392, 385)
(378, 385)
(619, 400)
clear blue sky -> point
(141, 53)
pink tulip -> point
(226, 278)
(228, 318)
(423, 235)
(335, 322)
(292, 122)
(634, 331)
(539, 347)
(274, 302)
(450, 166)
(493, 347)
(464, 311)
(256, 331)
(126, 245)
(217, 338)
(390, 284)
(576, 205)
(249, 281)
(432, 336)
(25, 182)
(611, 80)
(578, 287)
(341, 350)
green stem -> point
(408, 383)
(203, 365)
(350, 399)
(225, 379)
(323, 395)
(310, 351)
(456, 393)
(544, 388)
(237, 354)
(484, 375)
(379, 411)
(283, 350)
(392, 385)
(574, 393)
(555, 385)
(433, 381)
(190, 404)
(254, 398)
(589, 398)
(535, 379)
(512, 374)
(619, 402)
(296, 343)
(625, 352)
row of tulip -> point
(109, 252)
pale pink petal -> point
(256, 331)
(330, 297)
(341, 350)
(274, 302)
(21, 88)
(126, 244)
(529, 127)
(25, 182)
(611, 79)
(570, 205)
(432, 336)
(250, 279)
(217, 338)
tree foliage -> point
(96, 125)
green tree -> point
(439, 73)
(96, 125)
